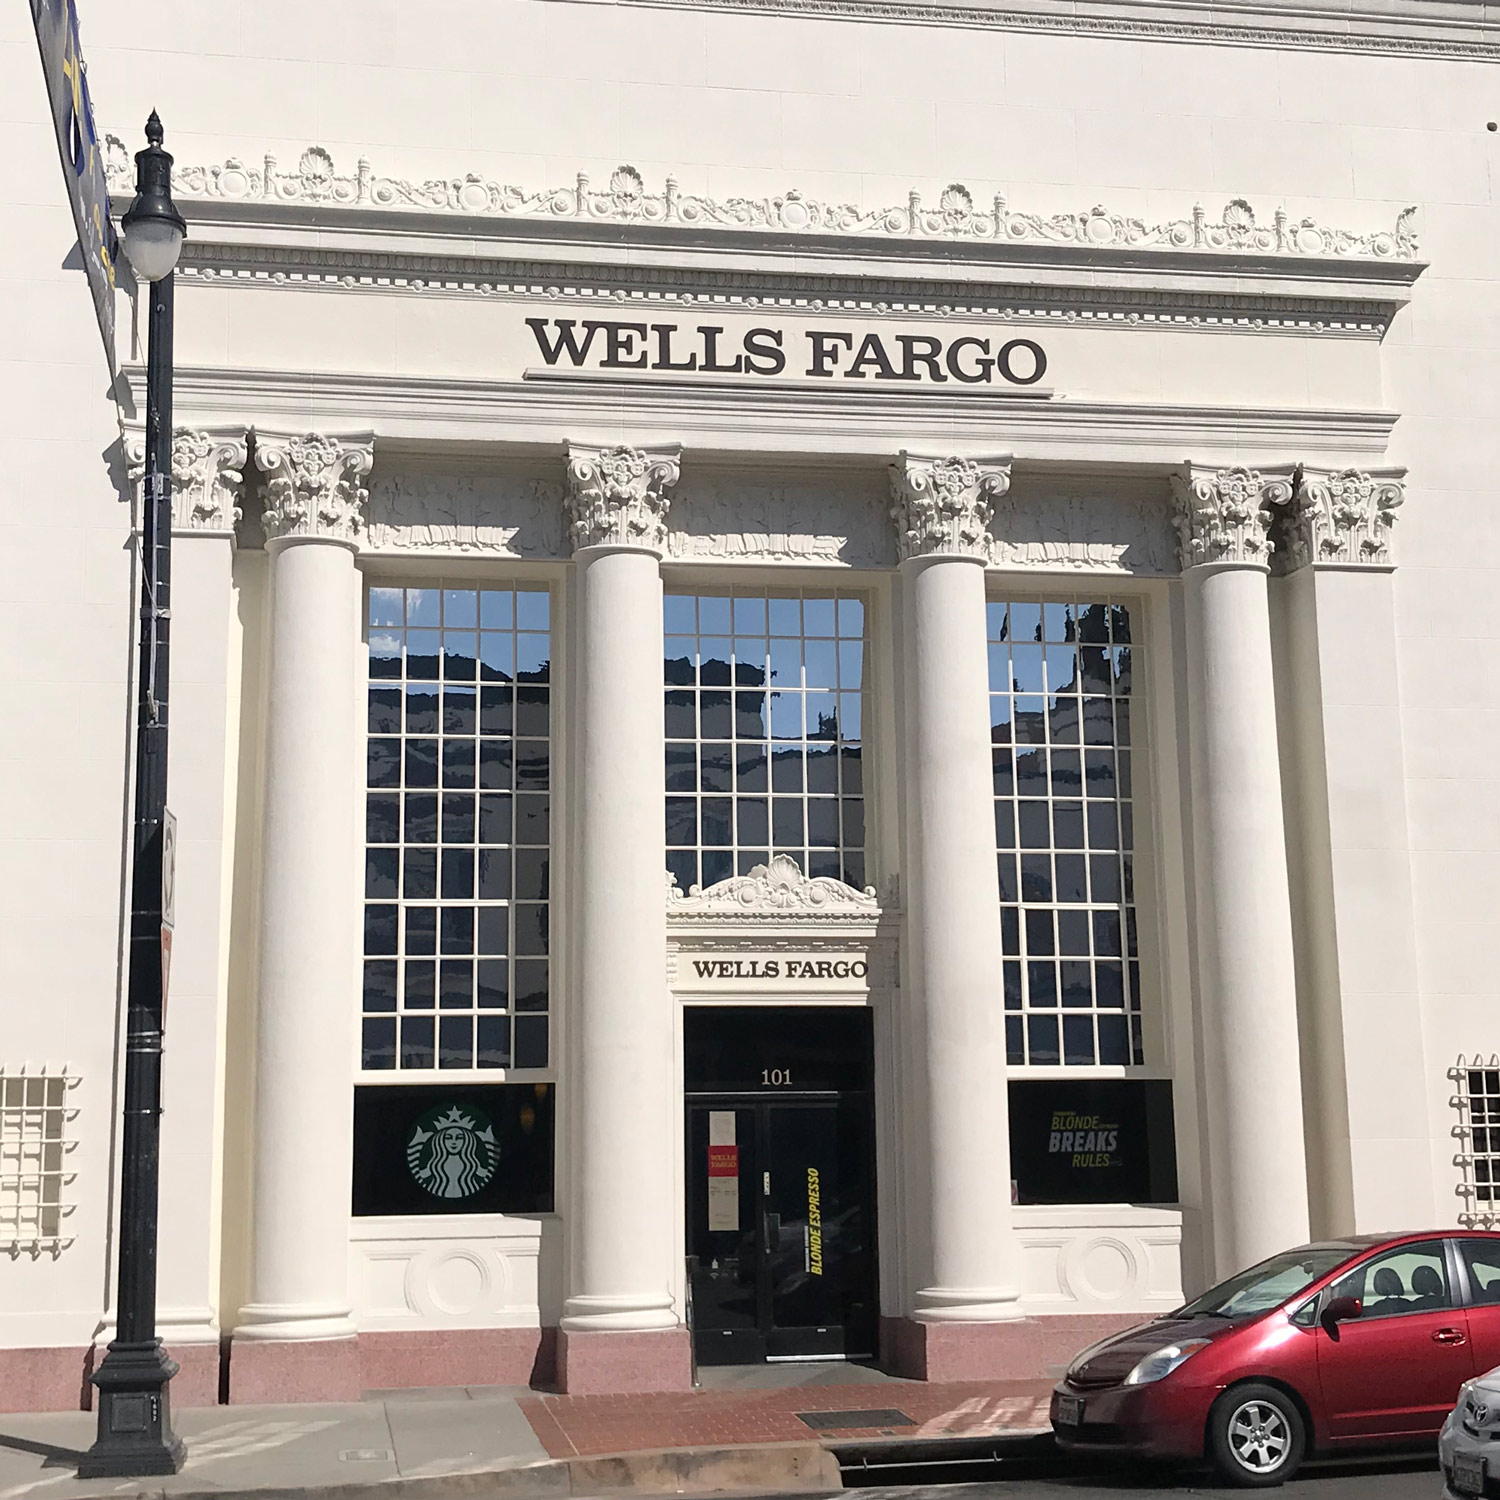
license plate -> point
(1468, 1474)
(1070, 1411)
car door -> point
(1395, 1370)
(1481, 1266)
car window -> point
(1410, 1278)
(1268, 1284)
(1482, 1257)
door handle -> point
(1448, 1336)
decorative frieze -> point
(466, 515)
(315, 484)
(944, 505)
(625, 199)
(208, 466)
(1342, 518)
(1225, 515)
(617, 497)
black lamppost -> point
(135, 1419)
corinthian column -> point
(1333, 602)
(966, 1273)
(295, 1337)
(1253, 1087)
(207, 472)
(619, 1329)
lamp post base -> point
(135, 1416)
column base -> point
(273, 1371)
(1022, 1349)
(626, 1363)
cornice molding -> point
(1233, 302)
(732, 418)
(772, 892)
(208, 466)
(617, 497)
(1341, 518)
(943, 506)
(1404, 28)
(1225, 515)
(956, 216)
(315, 484)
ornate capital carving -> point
(1224, 515)
(778, 889)
(208, 467)
(617, 497)
(1342, 518)
(315, 484)
(944, 505)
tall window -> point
(764, 724)
(1060, 676)
(457, 828)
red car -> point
(1346, 1344)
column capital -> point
(208, 468)
(617, 497)
(315, 484)
(1342, 518)
(943, 506)
(1224, 515)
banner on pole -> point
(82, 155)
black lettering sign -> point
(832, 354)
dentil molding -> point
(617, 497)
(1225, 515)
(772, 892)
(943, 506)
(208, 466)
(625, 200)
(315, 484)
(1342, 518)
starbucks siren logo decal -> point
(452, 1151)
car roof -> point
(1356, 1242)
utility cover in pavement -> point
(885, 1416)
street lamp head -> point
(153, 228)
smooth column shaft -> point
(1253, 1084)
(308, 950)
(625, 1126)
(953, 909)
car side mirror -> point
(1341, 1310)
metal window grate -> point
(1477, 1101)
(36, 1141)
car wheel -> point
(1256, 1436)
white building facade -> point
(831, 694)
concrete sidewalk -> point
(770, 1429)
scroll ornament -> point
(945, 505)
(315, 484)
(617, 497)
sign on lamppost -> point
(56, 23)
(168, 901)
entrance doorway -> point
(781, 1183)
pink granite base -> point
(271, 1371)
(1027, 1349)
(196, 1382)
(457, 1356)
(45, 1379)
(628, 1364)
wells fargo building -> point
(895, 765)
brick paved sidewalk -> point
(575, 1425)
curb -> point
(792, 1467)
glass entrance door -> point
(781, 1204)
